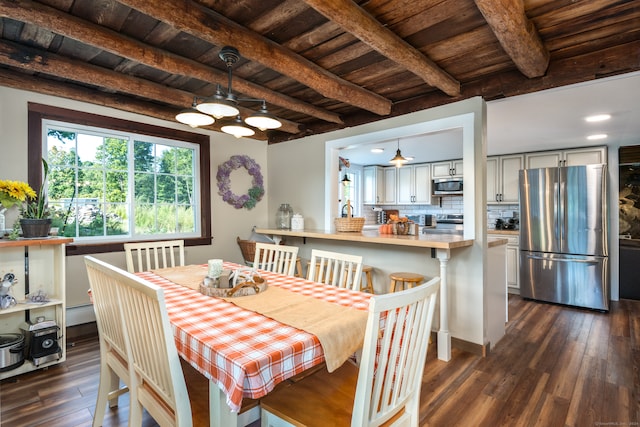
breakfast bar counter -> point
(440, 244)
(431, 240)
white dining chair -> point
(276, 258)
(386, 386)
(161, 388)
(145, 256)
(334, 268)
(170, 389)
(114, 366)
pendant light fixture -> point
(225, 104)
(236, 128)
(193, 117)
(398, 160)
(345, 180)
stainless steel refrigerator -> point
(563, 236)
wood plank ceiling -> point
(320, 64)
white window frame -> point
(131, 137)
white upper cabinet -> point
(447, 169)
(574, 157)
(373, 185)
(389, 185)
(502, 178)
(585, 156)
(414, 184)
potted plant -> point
(35, 217)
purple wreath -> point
(254, 194)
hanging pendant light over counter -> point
(398, 160)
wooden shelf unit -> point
(39, 265)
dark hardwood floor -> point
(556, 366)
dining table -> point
(246, 345)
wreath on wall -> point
(255, 193)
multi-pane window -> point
(110, 185)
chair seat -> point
(316, 398)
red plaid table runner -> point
(245, 353)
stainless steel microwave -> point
(447, 186)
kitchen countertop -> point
(438, 241)
(510, 232)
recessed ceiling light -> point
(377, 150)
(409, 158)
(597, 136)
(598, 118)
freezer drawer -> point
(581, 281)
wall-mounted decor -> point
(254, 194)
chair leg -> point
(135, 413)
(109, 383)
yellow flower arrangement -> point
(12, 192)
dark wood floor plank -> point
(556, 366)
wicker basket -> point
(248, 249)
(349, 224)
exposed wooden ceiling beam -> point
(358, 22)
(217, 29)
(23, 81)
(516, 34)
(36, 60)
(103, 38)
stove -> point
(446, 224)
(450, 221)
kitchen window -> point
(124, 182)
(350, 191)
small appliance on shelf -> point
(41, 340)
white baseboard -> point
(80, 314)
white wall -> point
(227, 222)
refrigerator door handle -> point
(586, 261)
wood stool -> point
(298, 270)
(368, 286)
(405, 279)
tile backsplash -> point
(450, 205)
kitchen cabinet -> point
(39, 267)
(414, 184)
(373, 185)
(503, 178)
(573, 157)
(389, 197)
(447, 169)
(513, 261)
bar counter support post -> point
(444, 338)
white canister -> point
(297, 222)
(215, 268)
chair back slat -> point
(145, 256)
(276, 258)
(336, 269)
